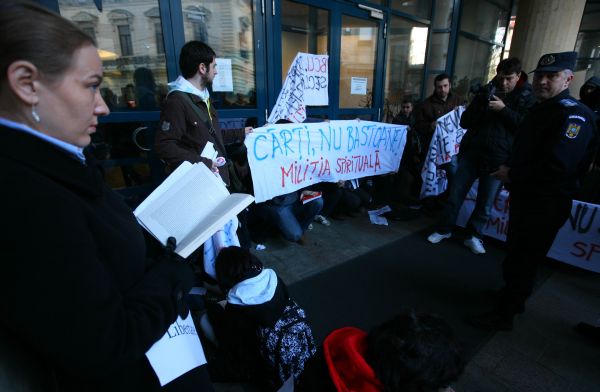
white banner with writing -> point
(287, 157)
(444, 145)
(177, 352)
(577, 242)
(306, 84)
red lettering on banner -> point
(358, 163)
(299, 172)
(583, 251)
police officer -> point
(553, 147)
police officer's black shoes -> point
(589, 331)
(492, 321)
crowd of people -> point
(76, 258)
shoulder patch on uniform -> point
(568, 102)
(576, 117)
(165, 126)
(572, 130)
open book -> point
(191, 205)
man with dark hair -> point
(188, 121)
(442, 101)
(491, 121)
(411, 352)
(553, 147)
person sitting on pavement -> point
(491, 121)
(290, 215)
(260, 333)
(411, 352)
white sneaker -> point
(475, 244)
(322, 220)
(436, 237)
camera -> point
(484, 93)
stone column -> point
(544, 26)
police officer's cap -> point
(555, 62)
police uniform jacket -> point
(490, 135)
(182, 134)
(77, 290)
(553, 147)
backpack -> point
(289, 344)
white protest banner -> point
(307, 83)
(177, 352)
(444, 145)
(577, 243)
(287, 157)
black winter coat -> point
(77, 290)
(490, 135)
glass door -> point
(352, 39)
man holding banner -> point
(491, 121)
(441, 102)
(553, 147)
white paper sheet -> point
(177, 352)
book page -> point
(176, 210)
(213, 221)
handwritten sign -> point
(287, 157)
(577, 243)
(444, 145)
(306, 84)
(177, 352)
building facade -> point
(395, 47)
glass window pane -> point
(420, 8)
(475, 63)
(484, 19)
(405, 62)
(227, 27)
(135, 76)
(588, 44)
(443, 14)
(303, 29)
(438, 51)
(357, 62)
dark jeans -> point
(466, 174)
(532, 227)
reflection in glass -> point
(357, 62)
(476, 62)
(443, 14)
(420, 8)
(303, 29)
(405, 62)
(438, 51)
(484, 19)
(227, 27)
(127, 34)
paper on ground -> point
(177, 352)
(376, 219)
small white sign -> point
(358, 86)
(209, 151)
(223, 81)
(177, 352)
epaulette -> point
(568, 102)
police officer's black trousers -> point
(533, 225)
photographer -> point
(491, 120)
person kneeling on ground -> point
(261, 334)
(411, 352)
